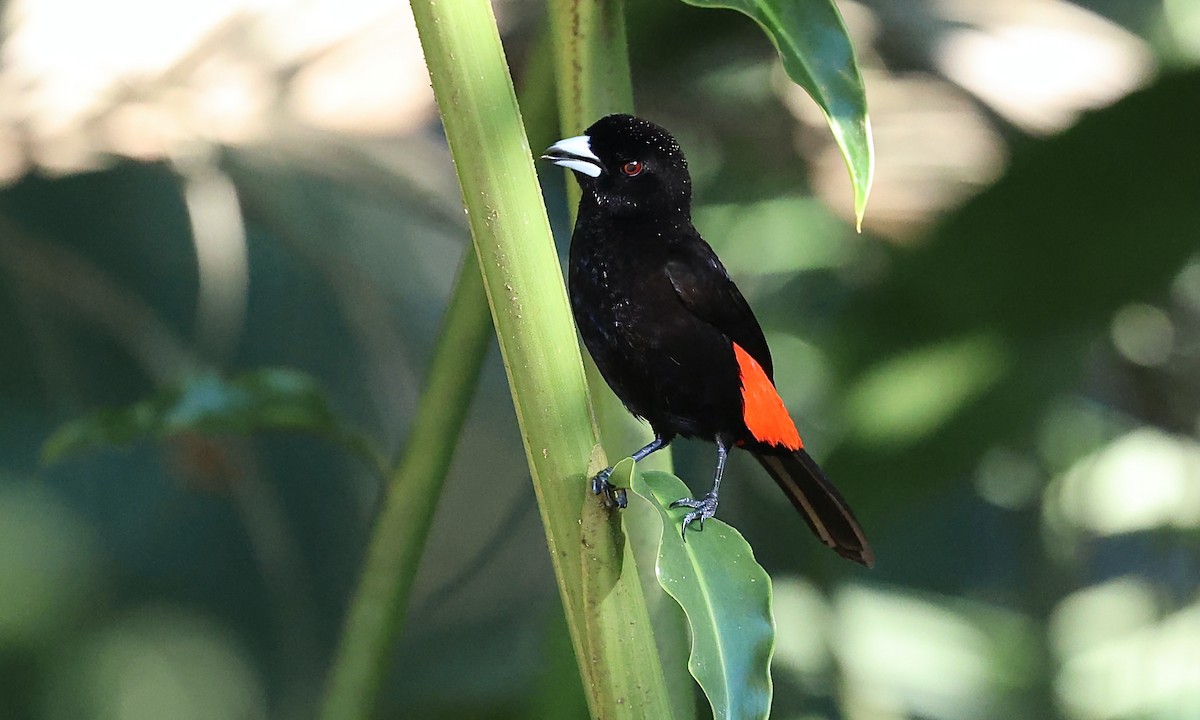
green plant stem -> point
(524, 285)
(377, 608)
(591, 60)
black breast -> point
(666, 365)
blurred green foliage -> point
(255, 401)
(1008, 397)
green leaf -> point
(118, 426)
(263, 399)
(725, 594)
(817, 55)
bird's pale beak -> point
(576, 154)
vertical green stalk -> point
(376, 612)
(524, 286)
(592, 74)
(593, 79)
(591, 60)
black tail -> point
(820, 504)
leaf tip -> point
(863, 177)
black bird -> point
(668, 329)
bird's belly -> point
(667, 367)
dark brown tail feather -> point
(820, 504)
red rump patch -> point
(762, 409)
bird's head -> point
(628, 165)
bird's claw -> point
(613, 495)
(702, 509)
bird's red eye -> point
(632, 168)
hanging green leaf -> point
(725, 594)
(817, 55)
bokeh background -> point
(1002, 371)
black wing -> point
(706, 290)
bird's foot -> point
(702, 509)
(613, 495)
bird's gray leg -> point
(706, 506)
(614, 495)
